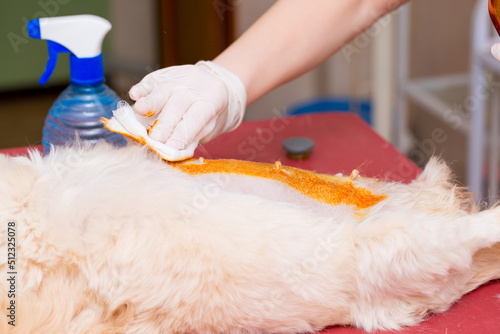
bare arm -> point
(295, 36)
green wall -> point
(22, 59)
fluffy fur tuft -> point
(116, 241)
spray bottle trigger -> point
(54, 50)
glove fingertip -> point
(495, 51)
(137, 91)
(156, 134)
(144, 108)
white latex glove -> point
(495, 51)
(194, 103)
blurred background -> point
(429, 40)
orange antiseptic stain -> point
(327, 189)
(152, 126)
(106, 121)
(323, 188)
(141, 140)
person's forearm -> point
(295, 36)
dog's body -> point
(116, 241)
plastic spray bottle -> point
(79, 108)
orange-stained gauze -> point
(327, 189)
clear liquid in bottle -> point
(76, 114)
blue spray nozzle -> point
(79, 35)
(54, 50)
(34, 29)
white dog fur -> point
(116, 241)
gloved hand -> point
(195, 103)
